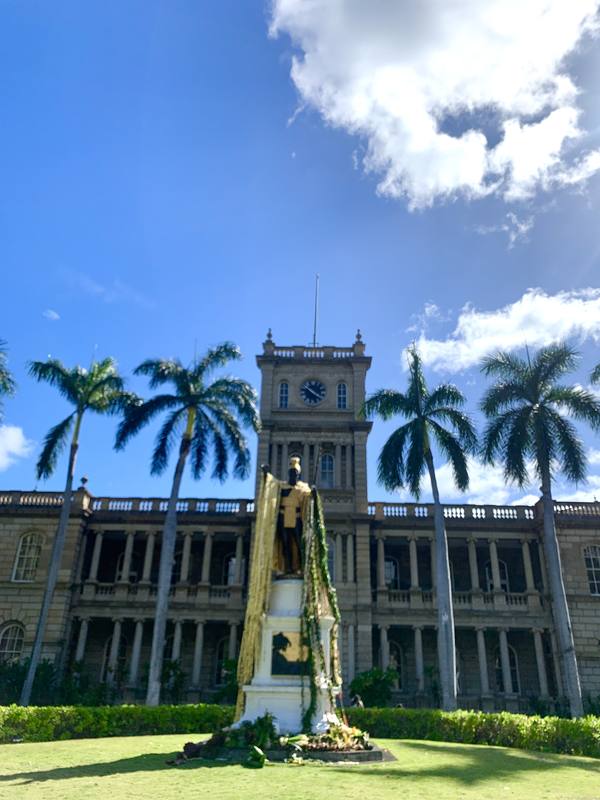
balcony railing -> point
(466, 512)
(515, 602)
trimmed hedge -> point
(545, 734)
(579, 737)
(48, 723)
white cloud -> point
(536, 319)
(515, 228)
(465, 97)
(114, 292)
(13, 445)
(51, 315)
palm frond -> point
(164, 442)
(56, 374)
(385, 403)
(571, 452)
(503, 395)
(517, 445)
(390, 466)
(7, 382)
(595, 374)
(504, 365)
(453, 451)
(137, 415)
(54, 444)
(579, 403)
(161, 371)
(416, 394)
(239, 395)
(444, 394)
(494, 436)
(234, 437)
(415, 464)
(461, 423)
(553, 361)
(200, 441)
(217, 357)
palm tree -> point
(528, 414)
(595, 376)
(432, 417)
(203, 416)
(7, 383)
(98, 389)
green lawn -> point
(122, 768)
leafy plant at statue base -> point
(374, 686)
(338, 737)
(316, 581)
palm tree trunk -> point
(445, 633)
(165, 571)
(562, 618)
(55, 560)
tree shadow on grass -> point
(150, 762)
(473, 764)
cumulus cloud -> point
(464, 97)
(13, 445)
(51, 315)
(536, 319)
(516, 229)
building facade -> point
(381, 558)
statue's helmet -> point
(295, 464)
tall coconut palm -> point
(203, 416)
(433, 417)
(528, 412)
(99, 389)
(7, 383)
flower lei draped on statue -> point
(318, 596)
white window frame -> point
(342, 396)
(329, 482)
(591, 559)
(19, 555)
(18, 636)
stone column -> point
(134, 664)
(113, 656)
(198, 648)
(505, 661)
(473, 566)
(529, 583)
(351, 654)
(305, 464)
(184, 573)
(350, 557)
(380, 562)
(483, 665)
(126, 568)
(232, 648)
(541, 661)
(419, 669)
(495, 565)
(207, 556)
(338, 466)
(148, 556)
(339, 559)
(239, 558)
(176, 650)
(82, 639)
(414, 563)
(348, 466)
(96, 556)
(385, 647)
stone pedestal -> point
(274, 687)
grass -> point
(133, 767)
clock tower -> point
(309, 405)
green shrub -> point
(48, 723)
(374, 686)
(545, 734)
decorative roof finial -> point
(84, 480)
(269, 335)
(358, 336)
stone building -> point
(380, 554)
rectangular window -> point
(591, 555)
(342, 396)
(284, 391)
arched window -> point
(327, 471)
(397, 663)
(392, 572)
(342, 395)
(11, 642)
(28, 556)
(220, 659)
(514, 670)
(284, 394)
(591, 556)
(489, 580)
(121, 660)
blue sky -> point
(168, 182)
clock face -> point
(313, 392)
